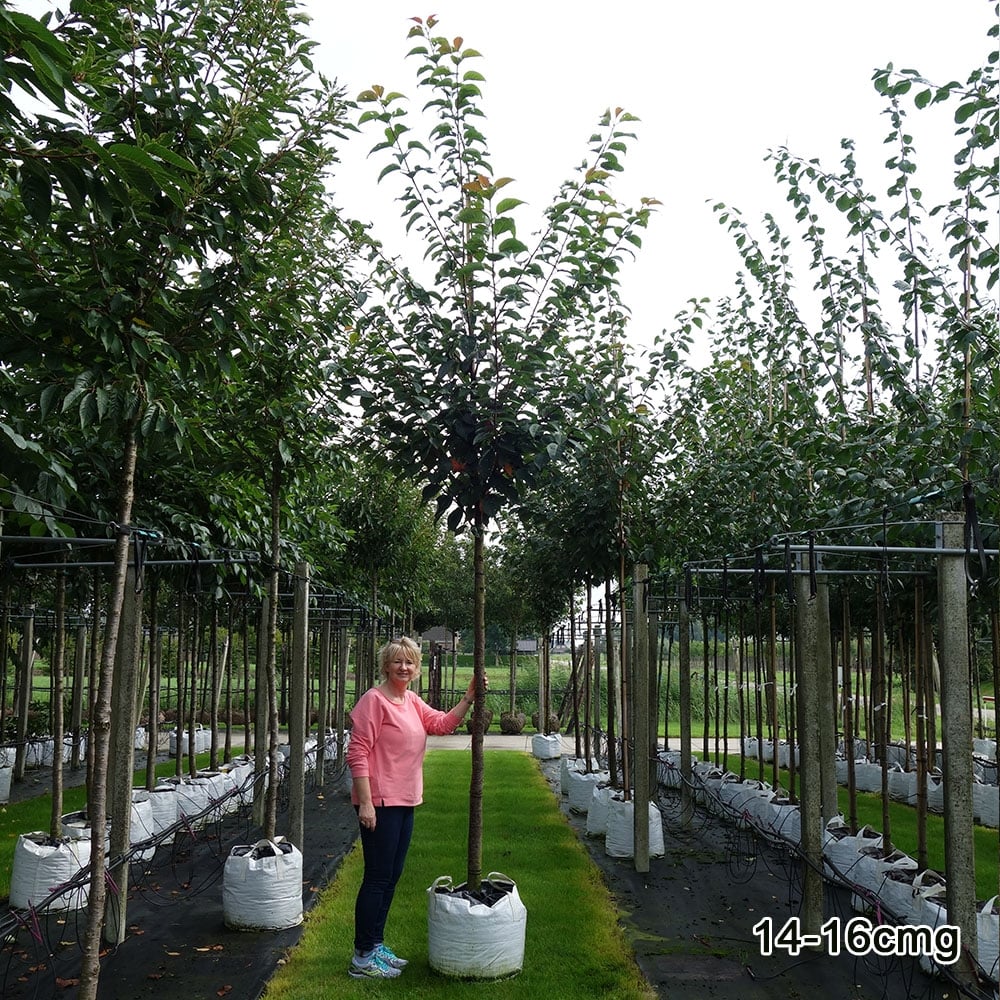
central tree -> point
(468, 378)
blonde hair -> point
(404, 644)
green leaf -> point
(507, 205)
(36, 191)
(161, 152)
(966, 111)
(512, 246)
(472, 215)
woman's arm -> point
(366, 810)
(442, 723)
(364, 732)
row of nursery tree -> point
(198, 349)
(196, 342)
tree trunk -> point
(56, 672)
(323, 709)
(121, 765)
(76, 704)
(298, 725)
(100, 731)
(271, 796)
(155, 676)
(610, 683)
(22, 694)
(475, 858)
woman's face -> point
(401, 668)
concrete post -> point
(956, 734)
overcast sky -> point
(716, 84)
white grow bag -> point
(619, 842)
(163, 802)
(707, 794)
(903, 785)
(843, 853)
(867, 776)
(546, 747)
(933, 912)
(581, 788)
(786, 819)
(569, 764)
(748, 800)
(989, 808)
(37, 752)
(987, 929)
(871, 873)
(471, 940)
(193, 800)
(76, 826)
(668, 768)
(202, 740)
(141, 825)
(5, 773)
(39, 867)
(935, 793)
(597, 814)
(241, 770)
(262, 886)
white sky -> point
(716, 84)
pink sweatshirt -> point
(388, 742)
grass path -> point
(574, 946)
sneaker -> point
(372, 968)
(390, 957)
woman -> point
(385, 754)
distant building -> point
(443, 636)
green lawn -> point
(574, 946)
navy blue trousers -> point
(384, 850)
